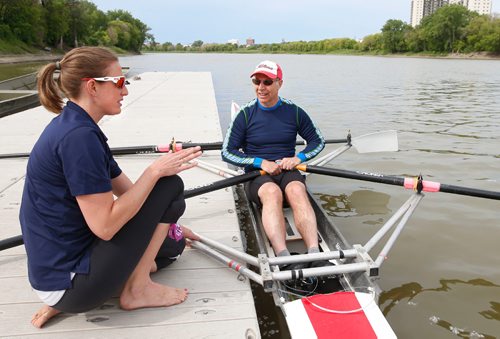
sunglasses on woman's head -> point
(266, 82)
(118, 81)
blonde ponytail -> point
(82, 62)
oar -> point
(11, 242)
(385, 141)
(222, 184)
(409, 183)
(18, 240)
(207, 146)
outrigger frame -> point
(355, 259)
(347, 261)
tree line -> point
(451, 29)
(68, 23)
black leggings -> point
(112, 262)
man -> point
(263, 136)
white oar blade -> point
(235, 108)
(385, 141)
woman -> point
(83, 245)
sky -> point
(266, 21)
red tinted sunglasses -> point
(266, 82)
(118, 81)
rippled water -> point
(442, 278)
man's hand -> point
(270, 167)
(288, 164)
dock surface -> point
(160, 105)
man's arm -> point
(235, 140)
(312, 135)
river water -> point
(442, 277)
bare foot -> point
(43, 315)
(152, 295)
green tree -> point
(393, 36)
(416, 41)
(197, 44)
(444, 30)
(56, 21)
(483, 34)
(179, 47)
(135, 31)
(372, 43)
(82, 16)
(22, 20)
(168, 46)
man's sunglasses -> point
(118, 81)
(266, 82)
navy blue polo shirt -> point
(70, 158)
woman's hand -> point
(189, 234)
(173, 163)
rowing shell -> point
(345, 306)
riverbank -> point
(350, 52)
(25, 58)
(28, 58)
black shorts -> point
(282, 180)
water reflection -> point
(358, 203)
(409, 291)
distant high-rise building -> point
(480, 6)
(423, 8)
(250, 42)
(417, 12)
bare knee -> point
(295, 190)
(270, 192)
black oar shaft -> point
(11, 242)
(428, 186)
(373, 177)
(473, 192)
(205, 146)
(14, 155)
(18, 240)
(134, 150)
(222, 184)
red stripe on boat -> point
(338, 325)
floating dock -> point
(160, 106)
